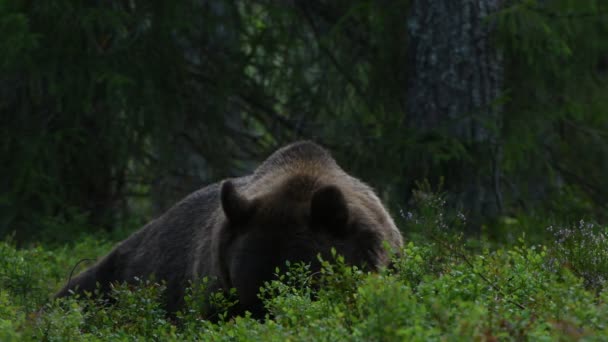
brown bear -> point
(298, 204)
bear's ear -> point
(328, 210)
(237, 208)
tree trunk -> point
(455, 82)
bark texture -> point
(455, 83)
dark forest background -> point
(110, 111)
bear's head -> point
(297, 220)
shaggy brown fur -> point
(297, 204)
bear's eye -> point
(329, 210)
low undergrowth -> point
(437, 289)
(440, 286)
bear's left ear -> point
(328, 210)
(237, 208)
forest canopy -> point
(110, 111)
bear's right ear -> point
(237, 208)
(329, 210)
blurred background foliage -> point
(110, 111)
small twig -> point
(74, 268)
(567, 15)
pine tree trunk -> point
(454, 89)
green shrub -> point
(584, 250)
(437, 290)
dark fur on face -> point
(298, 204)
